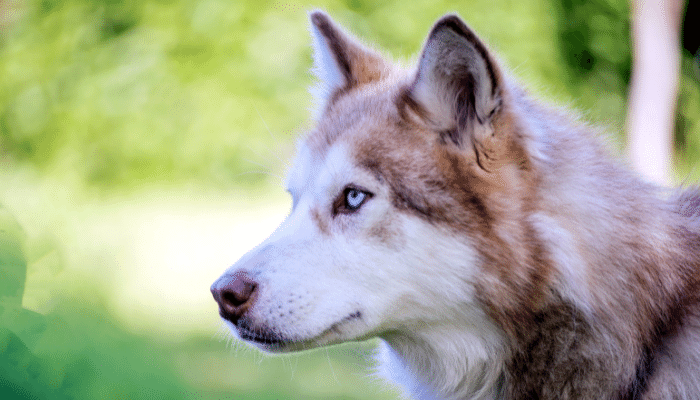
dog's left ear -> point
(341, 63)
(459, 86)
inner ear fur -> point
(458, 89)
(341, 62)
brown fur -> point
(490, 178)
(551, 271)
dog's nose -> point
(235, 294)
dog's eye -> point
(351, 200)
(354, 198)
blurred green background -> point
(142, 145)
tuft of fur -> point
(499, 253)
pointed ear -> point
(458, 83)
(340, 61)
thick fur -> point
(500, 253)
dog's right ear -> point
(340, 61)
(459, 89)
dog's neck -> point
(441, 362)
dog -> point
(491, 242)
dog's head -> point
(398, 193)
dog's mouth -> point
(272, 340)
(261, 338)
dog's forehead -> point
(361, 130)
(367, 110)
(313, 171)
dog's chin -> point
(287, 346)
(267, 340)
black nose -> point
(235, 294)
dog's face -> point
(389, 199)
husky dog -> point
(490, 242)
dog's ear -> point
(458, 84)
(340, 61)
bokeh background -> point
(142, 148)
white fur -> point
(328, 276)
(327, 71)
(572, 269)
(412, 289)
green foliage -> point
(73, 352)
(126, 92)
(78, 351)
(13, 266)
(687, 135)
(121, 93)
(594, 42)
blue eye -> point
(354, 198)
(350, 200)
